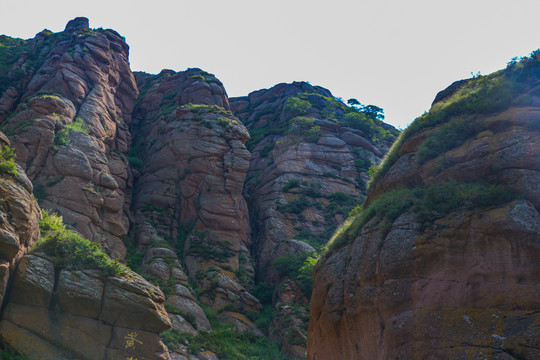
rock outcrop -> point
(449, 267)
(310, 157)
(19, 221)
(188, 187)
(308, 167)
(82, 314)
(69, 126)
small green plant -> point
(291, 184)
(70, 250)
(296, 106)
(62, 137)
(189, 317)
(11, 355)
(7, 165)
(227, 342)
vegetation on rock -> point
(481, 95)
(427, 204)
(227, 342)
(70, 250)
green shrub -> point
(297, 268)
(70, 250)
(200, 109)
(446, 137)
(7, 165)
(202, 246)
(305, 127)
(263, 292)
(295, 206)
(11, 355)
(296, 106)
(263, 319)
(227, 342)
(40, 192)
(291, 184)
(427, 204)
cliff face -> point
(308, 168)
(68, 123)
(442, 262)
(57, 313)
(188, 187)
(310, 156)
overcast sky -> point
(396, 54)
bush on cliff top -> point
(70, 250)
(481, 95)
(426, 203)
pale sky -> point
(396, 54)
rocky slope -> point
(442, 262)
(310, 156)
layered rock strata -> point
(82, 314)
(308, 170)
(456, 277)
(189, 184)
(69, 126)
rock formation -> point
(63, 314)
(69, 127)
(188, 190)
(308, 170)
(82, 314)
(442, 262)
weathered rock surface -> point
(463, 286)
(188, 189)
(82, 314)
(302, 169)
(19, 223)
(308, 170)
(69, 128)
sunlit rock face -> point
(456, 278)
(68, 122)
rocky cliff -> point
(191, 162)
(51, 310)
(442, 260)
(67, 118)
(310, 158)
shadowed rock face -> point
(308, 170)
(70, 128)
(189, 190)
(461, 286)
